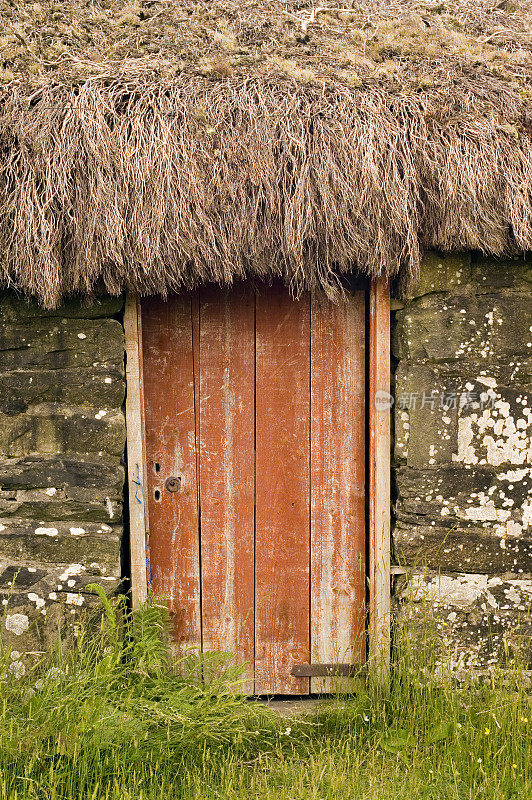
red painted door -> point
(255, 447)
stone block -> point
(62, 344)
(489, 328)
(33, 625)
(479, 619)
(502, 373)
(59, 581)
(426, 415)
(90, 386)
(62, 487)
(442, 417)
(465, 519)
(462, 547)
(14, 308)
(27, 542)
(441, 273)
(47, 594)
(57, 428)
(489, 273)
(69, 504)
(101, 476)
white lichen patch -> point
(526, 512)
(51, 491)
(46, 532)
(73, 569)
(466, 452)
(511, 529)
(461, 591)
(109, 507)
(494, 436)
(34, 597)
(17, 623)
(486, 380)
(484, 513)
(75, 599)
(514, 475)
(402, 433)
(77, 531)
(464, 591)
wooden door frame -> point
(379, 464)
(379, 477)
(136, 462)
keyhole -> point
(173, 484)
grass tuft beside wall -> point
(113, 721)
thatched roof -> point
(158, 144)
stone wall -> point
(463, 424)
(62, 437)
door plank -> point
(282, 503)
(171, 452)
(338, 485)
(227, 410)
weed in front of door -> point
(113, 720)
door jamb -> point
(380, 401)
(379, 464)
(136, 462)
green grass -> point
(113, 720)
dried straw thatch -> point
(159, 144)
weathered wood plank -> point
(379, 475)
(227, 420)
(171, 451)
(135, 451)
(282, 491)
(337, 607)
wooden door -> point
(255, 447)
